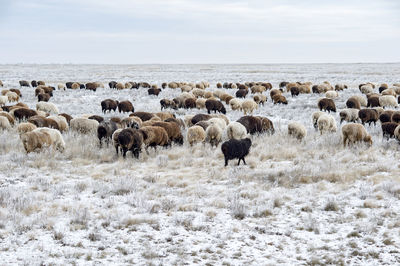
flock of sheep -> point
(43, 127)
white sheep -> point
(389, 92)
(12, 96)
(349, 115)
(84, 125)
(47, 107)
(201, 103)
(236, 130)
(353, 133)
(366, 89)
(297, 130)
(3, 100)
(198, 92)
(248, 106)
(4, 123)
(315, 117)
(195, 134)
(217, 121)
(214, 134)
(387, 101)
(235, 104)
(114, 138)
(56, 137)
(326, 123)
(61, 86)
(331, 94)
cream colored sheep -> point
(349, 115)
(397, 133)
(75, 86)
(61, 86)
(35, 140)
(12, 96)
(201, 103)
(315, 117)
(326, 123)
(235, 104)
(217, 121)
(84, 125)
(361, 99)
(3, 100)
(388, 101)
(198, 92)
(8, 116)
(353, 133)
(248, 106)
(188, 120)
(236, 130)
(331, 94)
(366, 89)
(4, 123)
(47, 107)
(25, 127)
(195, 134)
(297, 130)
(120, 86)
(389, 92)
(213, 134)
(260, 98)
(56, 138)
(128, 85)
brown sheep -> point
(166, 103)
(41, 83)
(274, 92)
(388, 129)
(294, 91)
(260, 98)
(91, 86)
(125, 106)
(39, 91)
(8, 116)
(353, 102)
(129, 139)
(353, 133)
(252, 124)
(279, 98)
(368, 116)
(396, 117)
(97, 118)
(189, 103)
(38, 121)
(266, 125)
(327, 104)
(143, 115)
(108, 105)
(173, 131)
(241, 93)
(204, 124)
(34, 140)
(200, 117)
(164, 115)
(17, 91)
(386, 116)
(43, 97)
(24, 83)
(67, 117)
(228, 98)
(154, 136)
(214, 105)
(373, 101)
(153, 91)
(24, 113)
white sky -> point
(189, 31)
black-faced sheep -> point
(236, 149)
(214, 105)
(368, 116)
(125, 106)
(353, 133)
(326, 105)
(130, 139)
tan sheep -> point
(25, 127)
(201, 103)
(35, 140)
(353, 133)
(12, 96)
(4, 123)
(297, 130)
(248, 106)
(195, 134)
(236, 104)
(8, 116)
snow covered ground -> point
(311, 202)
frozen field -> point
(295, 203)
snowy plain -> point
(295, 203)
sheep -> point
(153, 91)
(214, 105)
(75, 86)
(35, 140)
(166, 103)
(297, 130)
(164, 115)
(397, 133)
(294, 91)
(236, 130)
(1, 84)
(61, 86)
(279, 98)
(56, 137)
(173, 131)
(144, 116)
(12, 96)
(203, 124)
(274, 92)
(251, 123)
(386, 116)
(47, 107)
(349, 115)
(373, 101)
(236, 149)
(131, 121)
(127, 85)
(43, 97)
(331, 94)
(396, 117)
(352, 133)
(257, 89)
(114, 138)
(41, 83)
(120, 86)
(125, 106)
(388, 101)
(17, 91)
(340, 87)
(96, 117)
(368, 116)
(326, 123)
(260, 98)
(326, 105)
(361, 99)
(172, 85)
(4, 123)
(195, 134)
(67, 117)
(189, 103)
(61, 122)
(108, 105)
(383, 87)
(38, 121)
(8, 116)
(241, 93)
(353, 102)
(154, 136)
(25, 127)
(84, 125)
(315, 115)
(213, 135)
(24, 83)
(248, 106)
(388, 129)
(3, 100)
(389, 92)
(130, 139)
(235, 104)
(201, 103)
(23, 113)
(217, 121)
(366, 89)
(105, 131)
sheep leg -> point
(124, 150)
(116, 149)
(226, 162)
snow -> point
(308, 202)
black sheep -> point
(214, 105)
(236, 149)
(132, 140)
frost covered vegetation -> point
(295, 202)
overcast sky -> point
(201, 31)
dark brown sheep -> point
(279, 98)
(388, 129)
(204, 124)
(116, 120)
(91, 86)
(315, 89)
(108, 105)
(190, 103)
(274, 92)
(125, 106)
(166, 103)
(396, 117)
(368, 116)
(111, 84)
(373, 101)
(241, 93)
(294, 91)
(97, 118)
(154, 136)
(34, 83)
(69, 84)
(178, 121)
(386, 116)
(266, 125)
(164, 85)
(67, 117)
(200, 117)
(153, 91)
(283, 84)
(24, 113)
(130, 139)
(105, 131)
(24, 83)
(38, 121)
(179, 102)
(214, 105)
(228, 99)
(43, 97)
(252, 124)
(353, 102)
(243, 87)
(143, 115)
(173, 131)
(219, 85)
(236, 149)
(327, 104)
